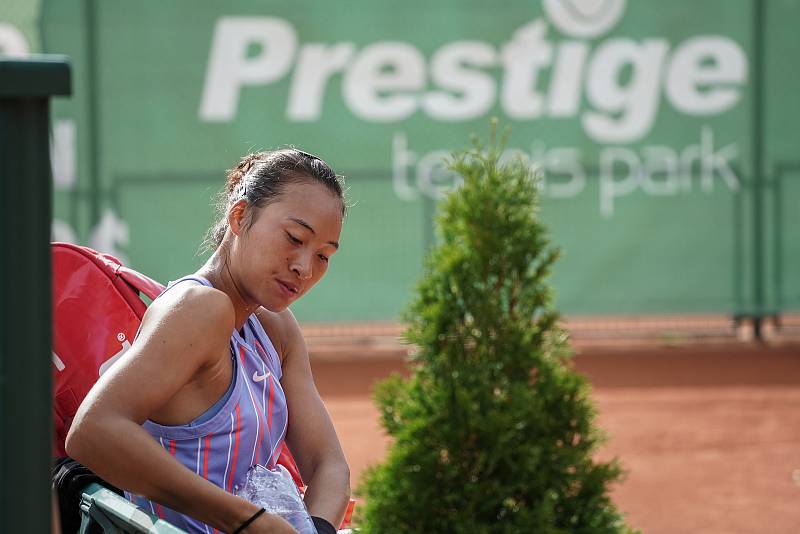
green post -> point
(92, 62)
(25, 323)
(758, 181)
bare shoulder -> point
(203, 305)
(193, 312)
(283, 330)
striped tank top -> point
(244, 428)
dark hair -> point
(262, 177)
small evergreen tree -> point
(493, 431)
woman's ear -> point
(237, 215)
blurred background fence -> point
(666, 133)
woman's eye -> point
(323, 257)
(294, 240)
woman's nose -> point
(302, 267)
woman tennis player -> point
(219, 375)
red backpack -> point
(96, 313)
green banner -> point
(639, 114)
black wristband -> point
(323, 526)
(247, 523)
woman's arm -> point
(181, 335)
(311, 436)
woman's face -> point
(286, 249)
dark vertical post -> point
(758, 166)
(25, 318)
(777, 223)
(740, 312)
(92, 64)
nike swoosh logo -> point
(260, 378)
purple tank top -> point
(247, 429)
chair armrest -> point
(115, 514)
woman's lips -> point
(289, 291)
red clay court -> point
(708, 429)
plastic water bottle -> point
(274, 490)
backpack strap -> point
(144, 284)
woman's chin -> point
(276, 305)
